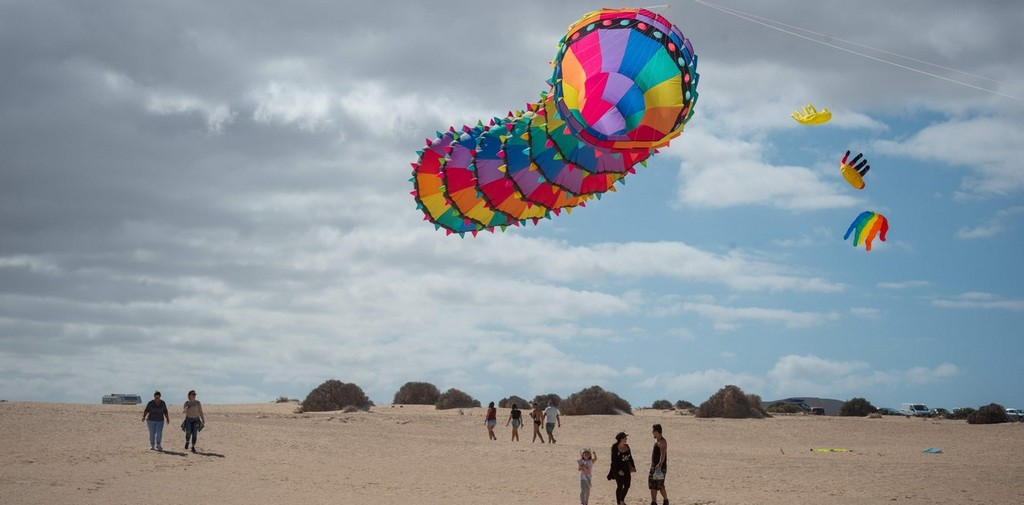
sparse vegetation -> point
(455, 399)
(662, 405)
(992, 413)
(506, 403)
(417, 393)
(785, 408)
(962, 413)
(732, 403)
(335, 395)
(684, 405)
(857, 407)
(595, 401)
(282, 399)
(542, 400)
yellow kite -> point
(810, 115)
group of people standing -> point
(550, 417)
(157, 412)
(622, 466)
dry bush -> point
(417, 393)
(785, 408)
(992, 413)
(335, 395)
(684, 405)
(543, 400)
(455, 399)
(506, 403)
(595, 401)
(730, 402)
(857, 407)
(962, 413)
(282, 399)
(662, 405)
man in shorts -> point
(551, 416)
(659, 466)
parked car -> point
(886, 411)
(915, 409)
(939, 411)
(818, 411)
(1015, 414)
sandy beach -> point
(265, 453)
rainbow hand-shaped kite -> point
(865, 227)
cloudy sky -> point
(216, 196)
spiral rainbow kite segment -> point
(624, 85)
(867, 225)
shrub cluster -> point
(542, 400)
(506, 403)
(857, 407)
(417, 393)
(595, 401)
(455, 399)
(732, 403)
(989, 414)
(662, 405)
(684, 405)
(785, 408)
(962, 413)
(335, 395)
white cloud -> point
(700, 382)
(735, 269)
(813, 376)
(988, 147)
(979, 300)
(866, 312)
(721, 172)
(995, 226)
(34, 264)
(289, 103)
(730, 317)
(903, 284)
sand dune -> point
(99, 454)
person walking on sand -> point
(659, 466)
(621, 467)
(516, 418)
(194, 419)
(586, 467)
(537, 415)
(154, 415)
(551, 416)
(491, 420)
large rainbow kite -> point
(624, 85)
(865, 227)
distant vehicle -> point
(939, 411)
(886, 411)
(121, 399)
(1015, 414)
(818, 411)
(915, 409)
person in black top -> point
(659, 466)
(621, 467)
(516, 418)
(154, 416)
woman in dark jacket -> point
(621, 468)
(154, 415)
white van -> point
(915, 409)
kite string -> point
(758, 20)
